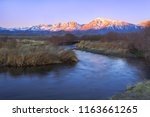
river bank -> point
(93, 77)
(129, 45)
(134, 45)
(115, 48)
(135, 92)
(140, 91)
(23, 53)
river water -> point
(93, 77)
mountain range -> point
(96, 26)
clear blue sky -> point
(14, 13)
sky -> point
(21, 13)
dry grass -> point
(105, 47)
(141, 91)
(126, 44)
(33, 53)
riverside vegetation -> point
(44, 50)
(19, 53)
(124, 45)
(141, 91)
(136, 45)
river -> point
(93, 77)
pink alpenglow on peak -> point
(70, 26)
(145, 23)
(99, 23)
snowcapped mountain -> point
(40, 28)
(3, 28)
(113, 25)
(70, 26)
(145, 23)
(98, 25)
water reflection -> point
(40, 70)
(94, 77)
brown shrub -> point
(63, 40)
(135, 44)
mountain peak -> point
(145, 23)
(108, 20)
(100, 23)
(67, 26)
(102, 19)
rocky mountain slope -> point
(98, 25)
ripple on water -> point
(93, 77)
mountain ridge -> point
(145, 23)
(98, 25)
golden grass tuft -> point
(33, 53)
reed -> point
(20, 53)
